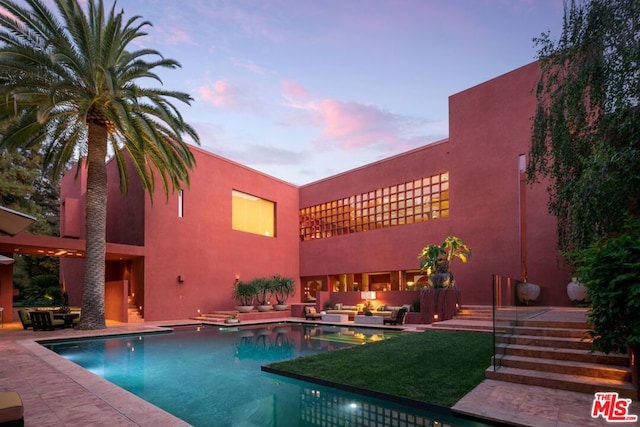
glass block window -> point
(410, 202)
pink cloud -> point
(352, 125)
(248, 65)
(349, 125)
(293, 89)
(6, 13)
(221, 94)
(176, 36)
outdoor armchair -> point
(398, 319)
(311, 314)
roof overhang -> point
(13, 222)
(5, 260)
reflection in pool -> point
(210, 376)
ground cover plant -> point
(436, 367)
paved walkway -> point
(56, 392)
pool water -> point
(210, 376)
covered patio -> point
(123, 263)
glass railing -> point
(508, 314)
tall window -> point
(252, 214)
(180, 203)
(423, 199)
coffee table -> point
(339, 318)
(368, 320)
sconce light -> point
(180, 279)
(368, 295)
(435, 317)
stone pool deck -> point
(56, 392)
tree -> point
(71, 85)
(25, 188)
(586, 131)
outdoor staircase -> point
(133, 314)
(213, 317)
(557, 354)
(469, 318)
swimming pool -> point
(210, 376)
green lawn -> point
(437, 367)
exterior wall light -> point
(180, 279)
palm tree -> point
(69, 84)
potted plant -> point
(264, 290)
(439, 300)
(244, 293)
(436, 260)
(283, 287)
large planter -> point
(438, 304)
(441, 280)
(413, 317)
(527, 293)
(280, 307)
(244, 308)
(576, 291)
(263, 307)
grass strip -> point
(436, 367)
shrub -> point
(610, 269)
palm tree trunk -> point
(96, 223)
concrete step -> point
(545, 341)
(568, 382)
(566, 354)
(558, 324)
(549, 332)
(461, 325)
(473, 316)
(569, 367)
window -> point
(420, 200)
(252, 214)
(181, 203)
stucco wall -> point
(490, 126)
(203, 249)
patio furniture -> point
(70, 319)
(25, 319)
(11, 409)
(368, 320)
(44, 321)
(338, 318)
(310, 313)
(398, 319)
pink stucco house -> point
(361, 229)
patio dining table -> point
(67, 317)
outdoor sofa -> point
(352, 310)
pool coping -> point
(128, 405)
(125, 407)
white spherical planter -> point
(576, 291)
(527, 293)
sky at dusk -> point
(305, 89)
